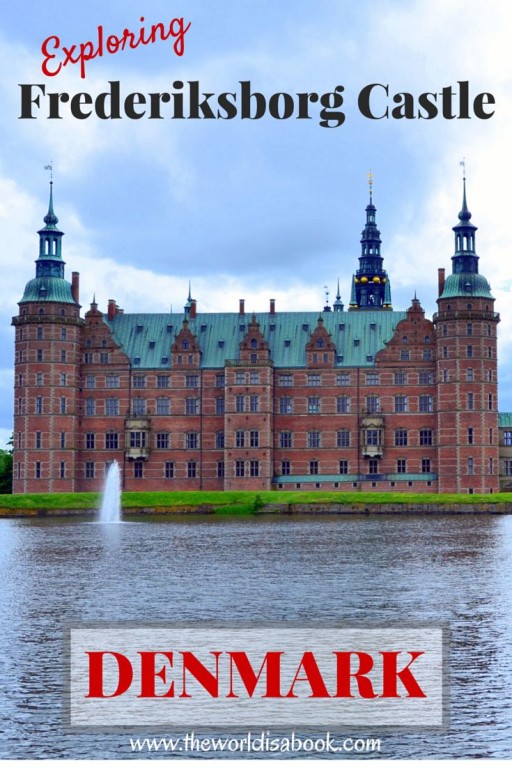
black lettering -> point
(27, 100)
(156, 100)
(287, 106)
(363, 101)
(131, 101)
(53, 100)
(247, 97)
(227, 102)
(77, 101)
(331, 103)
(196, 105)
(447, 100)
(405, 107)
(113, 96)
(304, 99)
(481, 100)
(427, 102)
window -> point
(88, 357)
(254, 377)
(507, 467)
(469, 329)
(239, 377)
(139, 381)
(219, 406)
(104, 358)
(490, 402)
(37, 470)
(372, 404)
(90, 406)
(111, 441)
(313, 467)
(426, 437)
(89, 470)
(191, 406)
(139, 406)
(401, 466)
(220, 440)
(285, 440)
(169, 470)
(62, 470)
(470, 465)
(314, 380)
(404, 355)
(285, 405)
(427, 354)
(286, 468)
(507, 437)
(162, 382)
(343, 438)
(445, 352)
(63, 405)
(343, 467)
(254, 403)
(163, 406)
(220, 380)
(372, 379)
(240, 403)
(191, 469)
(39, 355)
(254, 468)
(286, 380)
(343, 404)
(191, 381)
(426, 404)
(313, 405)
(137, 439)
(63, 355)
(314, 439)
(63, 379)
(400, 378)
(470, 435)
(39, 334)
(138, 469)
(39, 379)
(343, 379)
(425, 465)
(220, 469)
(90, 441)
(62, 439)
(162, 440)
(254, 440)
(111, 406)
(489, 375)
(192, 440)
(240, 438)
(426, 377)
(400, 437)
(470, 401)
(38, 440)
(372, 436)
(469, 351)
(373, 466)
(400, 404)
(446, 376)
(239, 468)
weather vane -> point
(49, 168)
(463, 163)
(370, 183)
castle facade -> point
(360, 398)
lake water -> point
(454, 569)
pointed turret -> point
(371, 282)
(338, 304)
(49, 283)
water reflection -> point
(440, 569)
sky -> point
(256, 209)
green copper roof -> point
(147, 338)
(505, 420)
(48, 289)
(466, 284)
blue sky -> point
(264, 208)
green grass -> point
(240, 502)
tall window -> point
(401, 466)
(162, 382)
(313, 467)
(139, 406)
(285, 405)
(240, 438)
(111, 441)
(191, 440)
(343, 404)
(254, 438)
(373, 466)
(470, 435)
(400, 378)
(286, 467)
(372, 404)
(239, 468)
(314, 439)
(285, 440)
(426, 404)
(90, 441)
(254, 403)
(63, 405)
(220, 469)
(400, 437)
(39, 405)
(163, 406)
(313, 405)
(507, 467)
(191, 469)
(426, 437)
(192, 381)
(471, 466)
(162, 440)
(219, 406)
(507, 437)
(254, 468)
(169, 470)
(470, 401)
(240, 403)
(89, 470)
(38, 440)
(138, 469)
(111, 406)
(425, 465)
(343, 467)
(343, 438)
(139, 381)
(400, 404)
(426, 377)
(220, 440)
(191, 406)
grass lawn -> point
(240, 501)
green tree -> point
(6, 469)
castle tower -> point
(370, 284)
(46, 371)
(467, 388)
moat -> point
(431, 569)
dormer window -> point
(254, 343)
(184, 344)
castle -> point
(361, 398)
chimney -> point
(111, 309)
(75, 287)
(193, 308)
(272, 306)
(440, 279)
(242, 307)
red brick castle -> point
(365, 398)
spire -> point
(50, 219)
(368, 290)
(465, 258)
(338, 304)
(49, 262)
(190, 300)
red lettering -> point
(390, 676)
(48, 56)
(148, 674)
(313, 677)
(207, 679)
(344, 675)
(250, 679)
(124, 674)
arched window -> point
(184, 344)
(254, 343)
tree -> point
(6, 469)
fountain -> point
(110, 511)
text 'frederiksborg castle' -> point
(367, 398)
